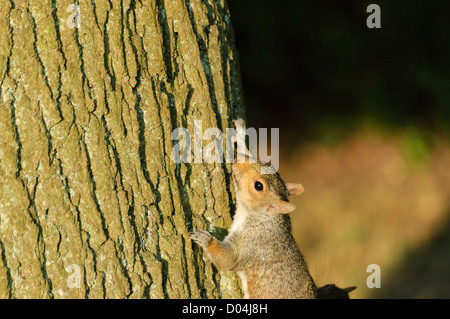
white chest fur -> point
(238, 223)
(244, 286)
(238, 220)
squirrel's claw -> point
(201, 237)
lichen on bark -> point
(86, 116)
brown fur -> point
(260, 246)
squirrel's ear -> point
(295, 189)
(280, 207)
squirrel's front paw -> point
(201, 237)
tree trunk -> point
(91, 203)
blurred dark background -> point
(364, 118)
(315, 68)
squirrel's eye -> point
(258, 186)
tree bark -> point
(91, 203)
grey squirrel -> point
(259, 245)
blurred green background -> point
(364, 118)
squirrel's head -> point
(262, 192)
